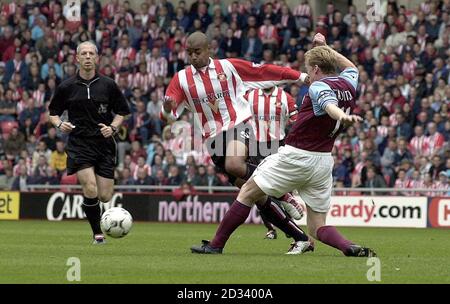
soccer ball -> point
(116, 222)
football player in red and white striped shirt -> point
(273, 110)
(214, 91)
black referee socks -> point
(91, 207)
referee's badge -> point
(103, 108)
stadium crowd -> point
(403, 93)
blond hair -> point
(324, 57)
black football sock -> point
(266, 222)
(276, 216)
(91, 207)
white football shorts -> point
(292, 168)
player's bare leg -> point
(249, 195)
(91, 205)
(316, 222)
(105, 188)
(235, 160)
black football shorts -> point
(97, 152)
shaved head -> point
(197, 40)
(197, 46)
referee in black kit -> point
(96, 108)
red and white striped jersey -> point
(216, 95)
(303, 10)
(435, 142)
(419, 146)
(382, 131)
(39, 98)
(271, 113)
(157, 66)
(409, 69)
(9, 9)
(415, 184)
(268, 32)
(445, 187)
(122, 53)
(144, 81)
(146, 167)
(402, 184)
(379, 30)
(127, 76)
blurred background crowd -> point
(403, 92)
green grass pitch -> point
(37, 252)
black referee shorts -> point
(97, 152)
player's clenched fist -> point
(319, 39)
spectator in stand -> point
(175, 177)
(403, 127)
(58, 158)
(22, 181)
(141, 165)
(136, 151)
(402, 152)
(51, 178)
(436, 167)
(201, 179)
(442, 184)
(7, 179)
(41, 149)
(51, 138)
(374, 180)
(40, 171)
(125, 177)
(14, 143)
(212, 179)
(142, 178)
(435, 140)
(160, 178)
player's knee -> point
(90, 189)
(105, 196)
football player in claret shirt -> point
(213, 90)
(273, 110)
(305, 163)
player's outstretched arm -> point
(262, 76)
(338, 114)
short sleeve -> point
(175, 93)
(351, 75)
(120, 104)
(58, 103)
(321, 95)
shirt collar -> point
(274, 92)
(84, 80)
(210, 66)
